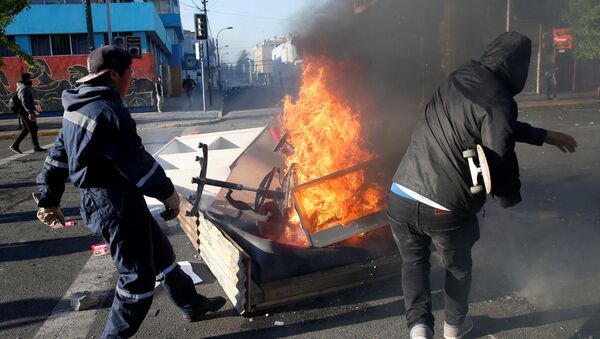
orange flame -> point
(326, 135)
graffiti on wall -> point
(53, 74)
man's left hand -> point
(172, 207)
(563, 141)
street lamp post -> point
(219, 57)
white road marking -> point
(18, 156)
(63, 322)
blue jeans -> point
(414, 227)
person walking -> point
(24, 106)
(551, 83)
(188, 86)
(430, 201)
(99, 150)
(159, 94)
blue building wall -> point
(61, 19)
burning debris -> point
(330, 186)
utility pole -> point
(208, 57)
(90, 25)
(508, 15)
(108, 27)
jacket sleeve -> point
(526, 133)
(133, 162)
(498, 139)
(53, 176)
(26, 96)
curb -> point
(52, 132)
(579, 104)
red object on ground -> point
(100, 249)
(70, 223)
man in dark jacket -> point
(188, 86)
(26, 111)
(99, 150)
(430, 200)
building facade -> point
(263, 59)
(54, 33)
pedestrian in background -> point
(551, 83)
(159, 94)
(188, 86)
(24, 106)
(430, 202)
(99, 150)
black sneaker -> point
(39, 149)
(15, 149)
(205, 305)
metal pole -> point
(539, 62)
(90, 25)
(508, 15)
(208, 58)
(108, 27)
(203, 90)
(218, 65)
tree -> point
(8, 10)
(584, 18)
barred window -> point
(79, 44)
(40, 45)
(60, 44)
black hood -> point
(508, 57)
(75, 98)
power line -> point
(249, 16)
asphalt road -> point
(536, 267)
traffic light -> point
(201, 26)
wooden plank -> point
(307, 286)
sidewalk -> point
(176, 113)
(564, 100)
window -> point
(79, 44)
(40, 45)
(4, 51)
(61, 44)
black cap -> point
(25, 77)
(103, 59)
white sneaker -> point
(421, 331)
(457, 332)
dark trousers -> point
(415, 226)
(142, 255)
(30, 127)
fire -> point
(326, 135)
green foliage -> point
(8, 10)
(583, 16)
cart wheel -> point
(469, 153)
(476, 189)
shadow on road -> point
(485, 325)
(45, 248)
(72, 212)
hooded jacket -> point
(99, 151)
(25, 95)
(474, 106)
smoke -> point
(545, 251)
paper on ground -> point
(187, 268)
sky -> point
(252, 20)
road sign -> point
(201, 26)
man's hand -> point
(51, 216)
(564, 142)
(172, 207)
(31, 117)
